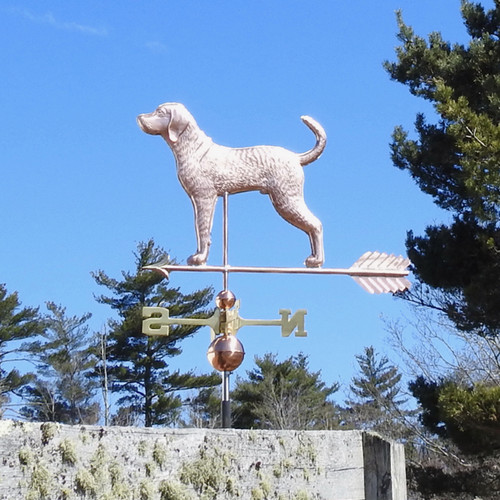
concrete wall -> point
(52, 461)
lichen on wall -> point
(51, 461)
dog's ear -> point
(179, 120)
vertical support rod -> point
(226, 403)
(224, 242)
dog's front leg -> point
(203, 206)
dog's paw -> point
(313, 261)
(197, 259)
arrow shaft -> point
(390, 273)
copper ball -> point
(225, 300)
(225, 353)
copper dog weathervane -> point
(208, 171)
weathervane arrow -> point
(375, 272)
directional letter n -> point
(288, 324)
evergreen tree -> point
(137, 364)
(284, 395)
(205, 409)
(126, 416)
(16, 324)
(376, 402)
(456, 161)
(457, 382)
(469, 416)
(63, 390)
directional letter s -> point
(155, 321)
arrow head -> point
(378, 272)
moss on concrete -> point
(57, 462)
(257, 494)
(301, 495)
(170, 490)
(142, 447)
(159, 454)
(211, 474)
(85, 483)
(67, 449)
(25, 456)
(48, 430)
(147, 491)
(40, 483)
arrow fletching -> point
(381, 273)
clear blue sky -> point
(82, 185)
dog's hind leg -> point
(204, 207)
(295, 211)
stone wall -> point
(52, 461)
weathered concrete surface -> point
(52, 461)
(384, 468)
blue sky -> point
(82, 184)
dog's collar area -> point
(203, 147)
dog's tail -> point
(319, 132)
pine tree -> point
(456, 161)
(468, 415)
(376, 401)
(137, 364)
(63, 390)
(205, 409)
(284, 395)
(16, 324)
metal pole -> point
(226, 402)
(224, 241)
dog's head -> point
(169, 120)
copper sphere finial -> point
(225, 353)
(225, 300)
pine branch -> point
(472, 134)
